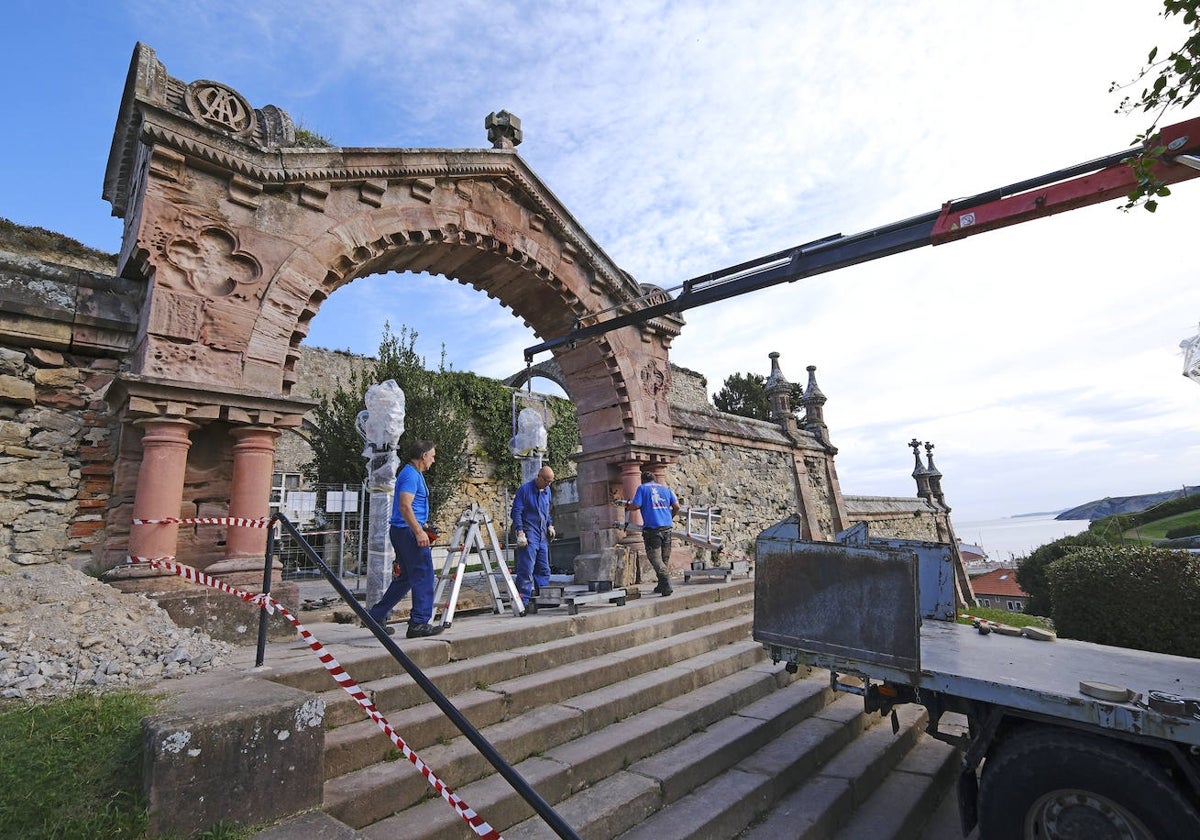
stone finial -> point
(813, 401)
(778, 392)
(935, 477)
(504, 129)
(920, 474)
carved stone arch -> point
(240, 239)
(548, 369)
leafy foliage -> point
(441, 406)
(1031, 570)
(1174, 82)
(745, 394)
(433, 410)
(1130, 596)
(308, 139)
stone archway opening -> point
(240, 237)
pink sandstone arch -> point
(240, 236)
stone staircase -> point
(655, 720)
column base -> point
(218, 614)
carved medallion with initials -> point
(219, 105)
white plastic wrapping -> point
(1191, 357)
(381, 425)
(530, 437)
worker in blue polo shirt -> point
(658, 506)
(414, 559)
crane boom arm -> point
(1084, 184)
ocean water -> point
(1014, 537)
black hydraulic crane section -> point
(1093, 182)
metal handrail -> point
(485, 747)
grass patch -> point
(72, 768)
(1005, 617)
(1157, 530)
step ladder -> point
(474, 533)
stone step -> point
(828, 800)
(372, 792)
(730, 799)
(656, 720)
(472, 637)
(498, 686)
(691, 737)
(903, 804)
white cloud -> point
(689, 136)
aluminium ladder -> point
(474, 533)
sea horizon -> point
(1009, 538)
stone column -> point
(631, 479)
(159, 492)
(250, 493)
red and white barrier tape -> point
(270, 605)
(260, 522)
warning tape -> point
(260, 522)
(270, 605)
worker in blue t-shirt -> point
(531, 520)
(658, 506)
(414, 558)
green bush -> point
(1129, 596)
(1031, 570)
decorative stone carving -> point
(211, 264)
(219, 106)
(504, 129)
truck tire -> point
(1044, 783)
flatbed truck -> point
(1066, 739)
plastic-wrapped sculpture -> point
(530, 437)
(381, 426)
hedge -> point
(1129, 596)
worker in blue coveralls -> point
(414, 559)
(658, 506)
(531, 519)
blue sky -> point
(1042, 360)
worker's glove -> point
(550, 532)
(522, 540)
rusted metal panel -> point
(856, 602)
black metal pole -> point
(518, 782)
(261, 654)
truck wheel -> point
(1043, 783)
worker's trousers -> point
(415, 571)
(658, 548)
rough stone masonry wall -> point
(56, 454)
(743, 466)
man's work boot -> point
(420, 631)
(664, 586)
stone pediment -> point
(209, 125)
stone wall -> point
(56, 446)
(63, 328)
(897, 518)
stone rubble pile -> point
(62, 632)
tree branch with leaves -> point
(1174, 82)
